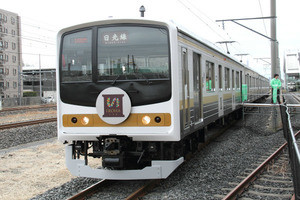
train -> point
(136, 95)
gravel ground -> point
(27, 172)
(17, 136)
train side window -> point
(220, 78)
(210, 76)
(233, 80)
(237, 78)
(227, 79)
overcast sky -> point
(41, 20)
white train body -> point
(138, 91)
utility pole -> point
(19, 85)
(275, 69)
(40, 71)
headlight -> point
(146, 120)
(74, 120)
(85, 120)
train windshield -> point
(123, 53)
(130, 53)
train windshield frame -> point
(129, 56)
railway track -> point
(88, 192)
(271, 179)
(27, 123)
(148, 185)
(296, 97)
(142, 191)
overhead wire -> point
(28, 38)
(188, 8)
(39, 22)
(11, 52)
(262, 16)
(41, 36)
(212, 21)
(38, 27)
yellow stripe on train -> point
(134, 119)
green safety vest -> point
(276, 85)
(208, 85)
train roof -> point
(212, 46)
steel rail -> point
(239, 189)
(27, 123)
(143, 190)
(296, 97)
(90, 190)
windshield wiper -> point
(115, 80)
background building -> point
(10, 55)
(292, 68)
(33, 81)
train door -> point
(197, 88)
(220, 93)
(185, 91)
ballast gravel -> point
(216, 166)
(26, 134)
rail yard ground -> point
(37, 170)
(29, 171)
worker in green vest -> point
(276, 85)
(208, 84)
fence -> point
(285, 111)
(24, 101)
(292, 148)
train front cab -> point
(90, 80)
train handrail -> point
(293, 149)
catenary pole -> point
(275, 69)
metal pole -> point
(40, 76)
(51, 81)
(19, 85)
(274, 43)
